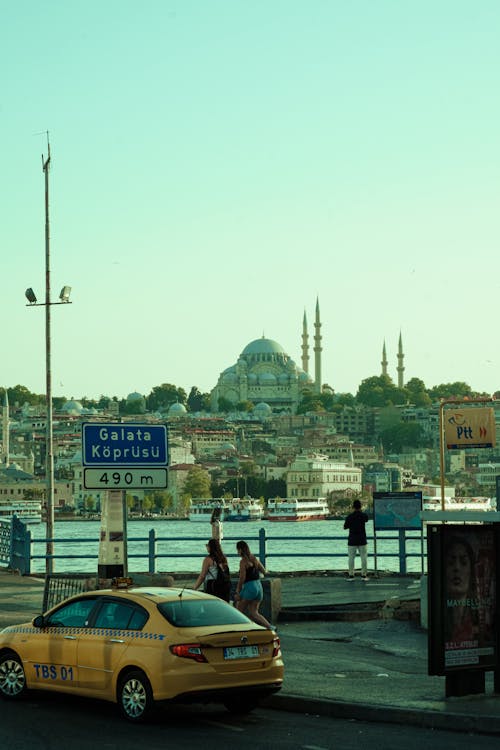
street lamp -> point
(32, 302)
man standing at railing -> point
(356, 523)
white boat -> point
(315, 509)
(27, 511)
(201, 509)
(459, 503)
(243, 509)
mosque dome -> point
(134, 396)
(267, 378)
(229, 375)
(262, 410)
(72, 407)
(262, 346)
(177, 410)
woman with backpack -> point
(215, 572)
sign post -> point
(117, 457)
(466, 426)
(113, 561)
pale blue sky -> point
(217, 165)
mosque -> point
(267, 376)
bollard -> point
(271, 603)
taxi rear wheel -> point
(135, 696)
(12, 677)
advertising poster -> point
(397, 510)
(470, 428)
(463, 586)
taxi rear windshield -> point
(188, 613)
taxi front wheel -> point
(135, 696)
(12, 677)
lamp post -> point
(32, 302)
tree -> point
(162, 500)
(90, 503)
(343, 399)
(379, 390)
(417, 392)
(310, 402)
(20, 395)
(198, 401)
(225, 405)
(399, 436)
(163, 396)
(244, 406)
(450, 390)
(197, 482)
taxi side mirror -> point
(39, 622)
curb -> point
(424, 718)
(333, 612)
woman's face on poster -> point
(458, 570)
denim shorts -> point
(252, 591)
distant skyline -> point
(218, 166)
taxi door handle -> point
(70, 637)
(116, 640)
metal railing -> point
(23, 548)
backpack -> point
(220, 585)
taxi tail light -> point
(188, 651)
(276, 646)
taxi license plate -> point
(241, 652)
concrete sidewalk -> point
(352, 650)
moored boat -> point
(243, 509)
(27, 511)
(459, 503)
(314, 509)
(201, 509)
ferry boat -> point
(27, 511)
(243, 509)
(314, 509)
(235, 509)
(459, 503)
(201, 509)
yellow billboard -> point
(470, 427)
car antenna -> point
(182, 591)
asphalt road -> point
(48, 723)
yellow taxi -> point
(140, 646)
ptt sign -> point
(470, 428)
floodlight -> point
(65, 292)
(30, 296)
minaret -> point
(317, 351)
(305, 345)
(5, 430)
(384, 360)
(401, 368)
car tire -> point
(12, 676)
(241, 706)
(135, 696)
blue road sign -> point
(124, 444)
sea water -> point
(290, 546)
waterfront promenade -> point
(346, 655)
